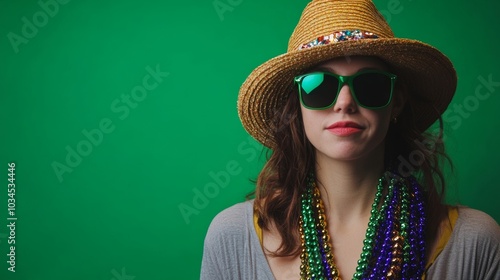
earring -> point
(395, 120)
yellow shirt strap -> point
(445, 236)
(257, 227)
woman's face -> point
(347, 131)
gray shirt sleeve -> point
(473, 251)
(232, 249)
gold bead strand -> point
(322, 226)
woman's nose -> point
(345, 101)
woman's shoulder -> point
(231, 222)
(232, 248)
(474, 230)
(476, 224)
(473, 249)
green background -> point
(115, 214)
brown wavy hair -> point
(282, 180)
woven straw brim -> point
(429, 76)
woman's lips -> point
(344, 128)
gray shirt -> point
(232, 249)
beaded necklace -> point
(394, 246)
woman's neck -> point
(348, 187)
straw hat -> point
(334, 28)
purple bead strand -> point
(416, 233)
(324, 260)
(384, 230)
(420, 228)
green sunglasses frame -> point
(346, 80)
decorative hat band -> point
(338, 36)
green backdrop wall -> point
(120, 118)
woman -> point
(344, 112)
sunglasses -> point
(371, 89)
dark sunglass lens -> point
(373, 89)
(318, 90)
